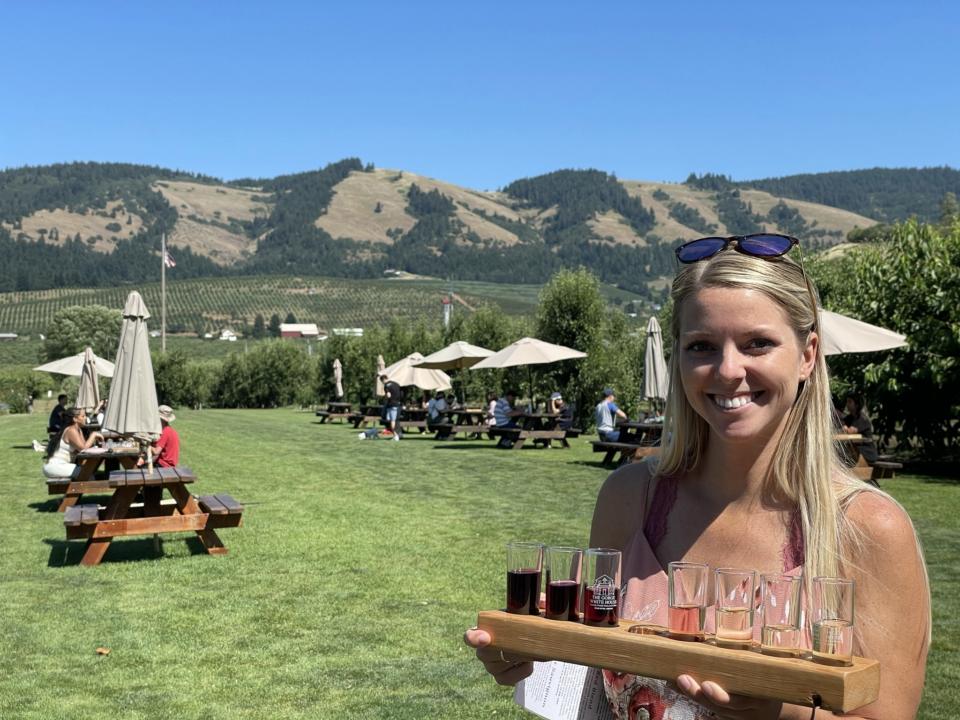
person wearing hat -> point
(557, 406)
(166, 451)
(606, 414)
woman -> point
(65, 444)
(748, 477)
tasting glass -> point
(563, 583)
(687, 598)
(780, 615)
(524, 564)
(736, 592)
(832, 620)
(601, 587)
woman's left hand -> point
(725, 705)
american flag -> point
(168, 260)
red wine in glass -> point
(601, 605)
(562, 600)
(523, 591)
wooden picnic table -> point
(122, 517)
(336, 411)
(367, 414)
(542, 428)
(850, 444)
(640, 432)
(84, 480)
(470, 421)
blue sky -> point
(481, 94)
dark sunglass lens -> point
(700, 249)
(766, 245)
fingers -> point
(476, 638)
(715, 698)
(506, 670)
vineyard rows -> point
(210, 304)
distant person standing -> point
(607, 413)
(393, 403)
(56, 421)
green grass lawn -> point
(346, 592)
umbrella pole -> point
(156, 536)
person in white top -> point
(63, 447)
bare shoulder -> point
(621, 505)
(879, 517)
(885, 528)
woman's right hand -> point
(506, 670)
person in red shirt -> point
(166, 451)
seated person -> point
(856, 422)
(489, 417)
(606, 414)
(166, 450)
(436, 409)
(504, 414)
(64, 446)
(557, 406)
(57, 420)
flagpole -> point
(163, 293)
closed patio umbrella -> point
(73, 365)
(88, 396)
(404, 373)
(338, 377)
(656, 380)
(133, 408)
(840, 334)
(378, 387)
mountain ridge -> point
(100, 223)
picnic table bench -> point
(628, 451)
(83, 480)
(368, 414)
(469, 421)
(884, 467)
(336, 411)
(122, 517)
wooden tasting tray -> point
(644, 652)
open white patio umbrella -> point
(528, 351)
(405, 373)
(656, 380)
(455, 356)
(338, 377)
(378, 387)
(88, 396)
(133, 409)
(73, 365)
(840, 334)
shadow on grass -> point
(594, 464)
(68, 553)
(53, 503)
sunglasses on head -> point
(761, 245)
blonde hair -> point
(806, 471)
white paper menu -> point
(563, 691)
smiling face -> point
(740, 362)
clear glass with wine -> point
(563, 566)
(832, 621)
(736, 592)
(601, 587)
(524, 565)
(780, 615)
(687, 599)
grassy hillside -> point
(214, 303)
